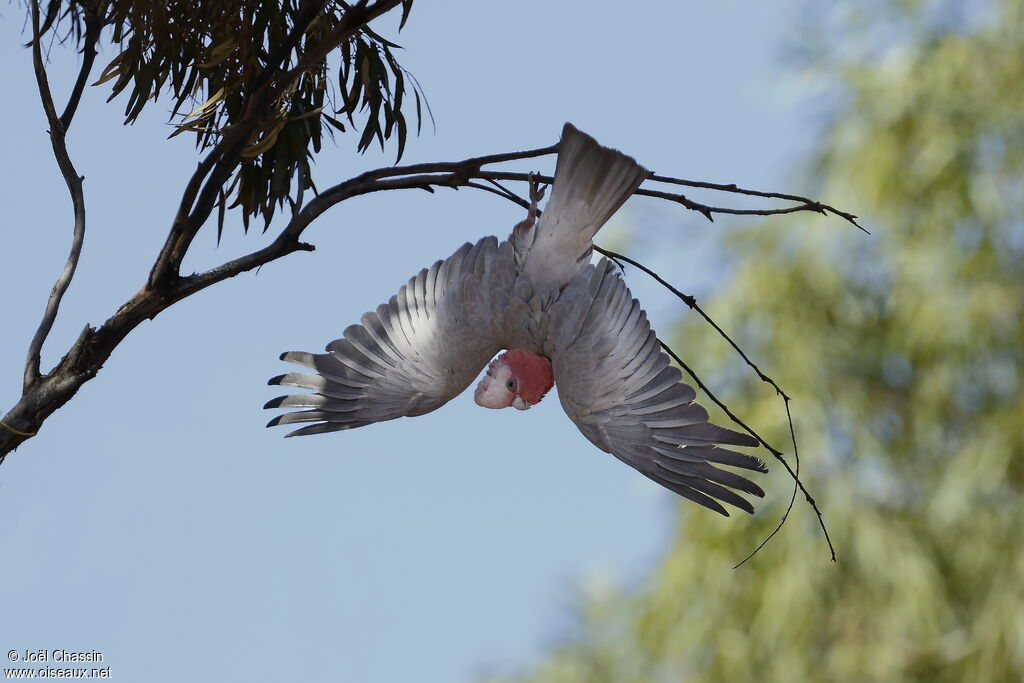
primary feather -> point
(413, 354)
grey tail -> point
(591, 182)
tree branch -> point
(356, 16)
(93, 26)
(794, 473)
(804, 204)
(692, 303)
(74, 183)
(163, 268)
(276, 60)
(415, 176)
(200, 196)
(771, 449)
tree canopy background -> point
(903, 354)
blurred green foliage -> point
(903, 353)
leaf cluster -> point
(253, 77)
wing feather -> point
(411, 355)
(618, 387)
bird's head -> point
(515, 378)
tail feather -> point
(591, 183)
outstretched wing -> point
(413, 354)
(617, 385)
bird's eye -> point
(511, 384)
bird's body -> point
(561, 318)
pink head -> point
(515, 378)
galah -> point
(560, 319)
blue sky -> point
(155, 520)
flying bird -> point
(561, 321)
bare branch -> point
(690, 301)
(93, 26)
(163, 267)
(203, 189)
(706, 210)
(774, 451)
(792, 499)
(74, 183)
(461, 173)
(390, 178)
(804, 204)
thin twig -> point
(692, 303)
(771, 449)
(500, 191)
(509, 194)
(792, 499)
(706, 210)
(74, 183)
(806, 204)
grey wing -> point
(411, 355)
(617, 385)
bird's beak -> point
(520, 404)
